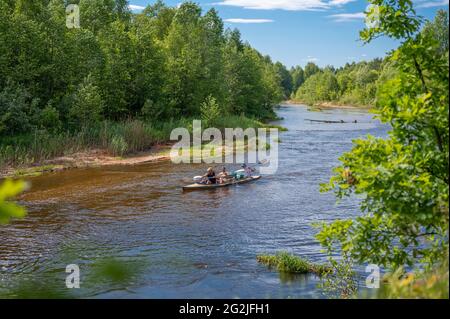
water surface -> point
(196, 244)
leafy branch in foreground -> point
(340, 281)
(9, 210)
(403, 180)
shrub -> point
(16, 108)
(87, 105)
(49, 118)
(210, 111)
(287, 263)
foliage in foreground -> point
(288, 263)
(432, 284)
(8, 190)
(341, 281)
(403, 180)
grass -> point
(35, 171)
(118, 138)
(429, 284)
(288, 263)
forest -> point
(122, 80)
(354, 84)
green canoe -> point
(210, 186)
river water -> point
(189, 245)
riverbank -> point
(88, 158)
(329, 105)
(105, 144)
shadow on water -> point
(196, 244)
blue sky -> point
(297, 31)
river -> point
(195, 244)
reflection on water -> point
(196, 244)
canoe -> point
(211, 186)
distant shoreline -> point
(328, 105)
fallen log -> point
(328, 121)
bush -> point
(87, 105)
(287, 263)
(49, 118)
(210, 111)
(16, 109)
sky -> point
(296, 32)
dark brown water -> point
(196, 244)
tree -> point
(17, 109)
(87, 103)
(353, 84)
(320, 87)
(298, 77)
(404, 178)
(310, 69)
(438, 29)
(210, 110)
(286, 79)
(96, 15)
(185, 44)
(160, 64)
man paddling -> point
(210, 176)
(248, 170)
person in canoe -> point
(224, 176)
(210, 176)
(248, 170)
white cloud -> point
(432, 4)
(290, 5)
(135, 7)
(345, 17)
(310, 58)
(249, 20)
(340, 2)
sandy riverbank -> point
(89, 158)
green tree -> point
(404, 178)
(17, 110)
(310, 69)
(320, 87)
(298, 77)
(96, 15)
(184, 48)
(286, 79)
(438, 29)
(210, 110)
(87, 104)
